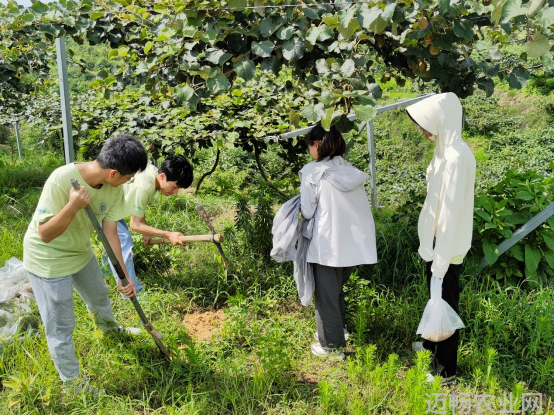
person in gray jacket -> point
(333, 196)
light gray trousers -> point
(54, 298)
(329, 304)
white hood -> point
(341, 174)
(447, 213)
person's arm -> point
(308, 199)
(140, 226)
(56, 225)
(455, 183)
(110, 230)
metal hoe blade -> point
(204, 215)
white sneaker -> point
(346, 335)
(417, 346)
(334, 354)
(445, 381)
(132, 331)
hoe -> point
(217, 239)
(145, 322)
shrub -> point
(499, 212)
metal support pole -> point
(371, 147)
(64, 96)
(19, 150)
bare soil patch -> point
(203, 325)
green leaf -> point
(285, 32)
(313, 113)
(327, 99)
(123, 51)
(28, 18)
(327, 119)
(367, 17)
(532, 258)
(258, 9)
(444, 7)
(245, 69)
(483, 215)
(237, 4)
(549, 257)
(547, 63)
(347, 32)
(388, 12)
(187, 96)
(378, 25)
(375, 90)
(348, 68)
(364, 112)
(526, 196)
(517, 252)
(263, 48)
(293, 49)
(321, 66)
(294, 118)
(313, 34)
(217, 56)
(487, 85)
(345, 16)
(272, 65)
(511, 9)
(39, 7)
(344, 125)
(269, 25)
(546, 16)
(491, 252)
(549, 241)
(96, 15)
(219, 83)
(147, 47)
(516, 218)
(534, 7)
(463, 29)
(325, 33)
(113, 54)
(537, 46)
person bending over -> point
(174, 173)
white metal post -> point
(19, 150)
(371, 148)
(64, 96)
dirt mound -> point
(202, 325)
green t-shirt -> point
(71, 251)
(141, 192)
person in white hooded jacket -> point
(332, 194)
(445, 223)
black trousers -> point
(445, 353)
(329, 304)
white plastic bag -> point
(13, 280)
(439, 320)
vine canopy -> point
(188, 51)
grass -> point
(259, 360)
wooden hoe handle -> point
(207, 238)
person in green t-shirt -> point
(174, 173)
(57, 250)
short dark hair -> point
(331, 142)
(177, 168)
(124, 153)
